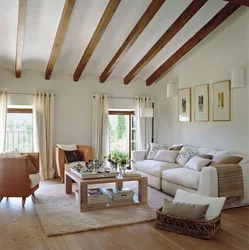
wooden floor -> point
(21, 229)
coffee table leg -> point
(83, 200)
(118, 184)
(142, 190)
(68, 185)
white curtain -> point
(3, 117)
(100, 126)
(144, 124)
(44, 132)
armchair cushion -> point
(183, 177)
(31, 167)
(34, 180)
(71, 156)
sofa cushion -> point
(185, 154)
(166, 155)
(197, 163)
(226, 159)
(154, 148)
(154, 168)
(34, 180)
(182, 176)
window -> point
(19, 130)
(122, 131)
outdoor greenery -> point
(121, 127)
(20, 138)
(118, 136)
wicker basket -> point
(204, 229)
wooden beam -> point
(132, 37)
(221, 16)
(20, 36)
(103, 23)
(188, 13)
(65, 17)
(240, 2)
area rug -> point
(60, 215)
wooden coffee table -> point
(141, 198)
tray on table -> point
(94, 174)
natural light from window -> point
(19, 131)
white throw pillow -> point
(185, 154)
(13, 154)
(154, 148)
(67, 147)
(166, 155)
(197, 163)
(215, 204)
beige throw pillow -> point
(184, 210)
(226, 159)
(176, 147)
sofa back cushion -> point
(154, 148)
(185, 154)
(166, 155)
(197, 163)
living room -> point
(216, 57)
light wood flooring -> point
(20, 228)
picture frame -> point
(201, 103)
(184, 105)
(222, 101)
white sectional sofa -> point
(171, 176)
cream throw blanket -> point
(230, 183)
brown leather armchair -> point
(15, 180)
(86, 152)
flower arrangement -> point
(118, 159)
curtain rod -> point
(121, 97)
(16, 93)
(133, 98)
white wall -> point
(211, 61)
(73, 99)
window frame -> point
(21, 111)
(130, 113)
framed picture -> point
(201, 102)
(222, 101)
(184, 105)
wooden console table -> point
(141, 198)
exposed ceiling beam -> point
(20, 36)
(188, 13)
(132, 37)
(240, 2)
(221, 16)
(103, 23)
(65, 17)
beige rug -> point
(59, 213)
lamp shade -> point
(238, 78)
(146, 112)
(171, 90)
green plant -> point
(118, 158)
